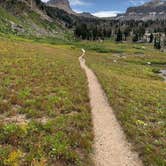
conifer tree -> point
(151, 38)
(119, 36)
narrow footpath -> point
(110, 145)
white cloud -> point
(106, 13)
(137, 2)
(74, 2)
(77, 2)
(77, 11)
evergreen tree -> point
(95, 33)
(126, 32)
(119, 36)
(151, 38)
(95, 29)
(157, 43)
(135, 38)
(141, 32)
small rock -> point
(5, 101)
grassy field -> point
(136, 93)
(44, 106)
(45, 116)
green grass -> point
(137, 95)
(42, 81)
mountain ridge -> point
(155, 9)
(61, 4)
(65, 5)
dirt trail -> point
(163, 74)
(110, 145)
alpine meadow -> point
(82, 83)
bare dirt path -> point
(110, 145)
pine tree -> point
(151, 38)
(135, 38)
(119, 36)
(157, 43)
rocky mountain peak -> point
(65, 5)
(155, 3)
(61, 4)
(155, 9)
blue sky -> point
(104, 8)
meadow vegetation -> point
(45, 116)
(129, 75)
(44, 106)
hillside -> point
(26, 19)
(35, 18)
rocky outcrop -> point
(30, 18)
(61, 4)
(155, 9)
(65, 5)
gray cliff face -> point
(61, 4)
(65, 5)
(155, 9)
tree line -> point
(121, 31)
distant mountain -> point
(155, 9)
(65, 5)
(61, 4)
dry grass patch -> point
(43, 85)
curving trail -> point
(110, 145)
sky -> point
(104, 8)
